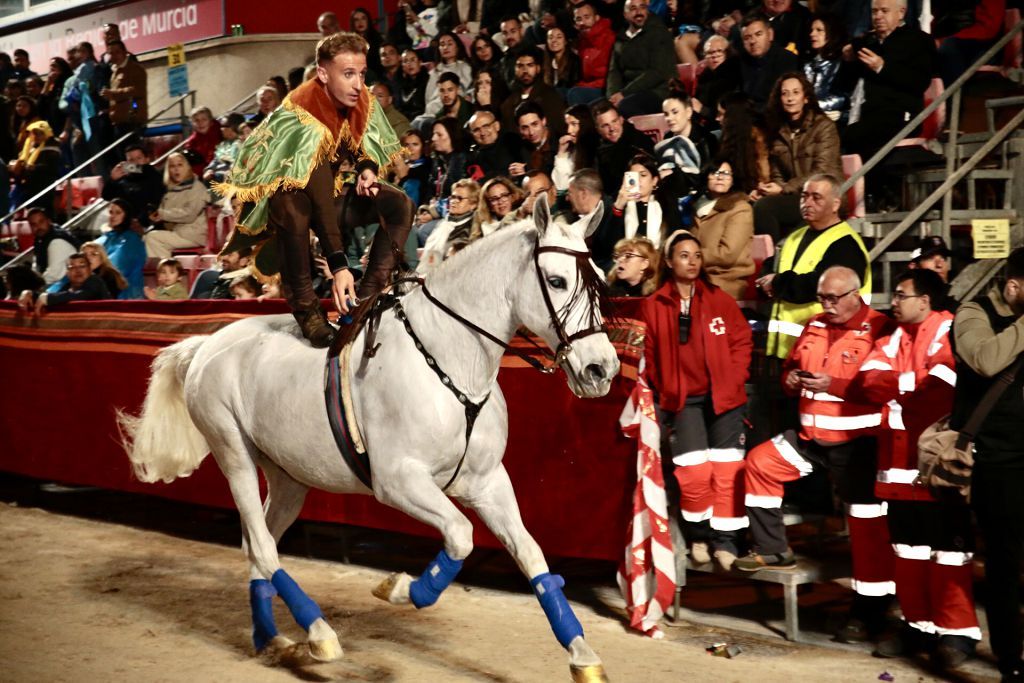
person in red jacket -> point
(697, 354)
(594, 47)
(836, 433)
(910, 376)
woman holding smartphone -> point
(636, 211)
(697, 354)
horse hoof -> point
(592, 673)
(325, 650)
(278, 643)
(394, 589)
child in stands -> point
(170, 287)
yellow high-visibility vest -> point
(788, 318)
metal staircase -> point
(983, 178)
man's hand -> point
(516, 169)
(41, 303)
(793, 380)
(154, 216)
(118, 171)
(616, 98)
(344, 290)
(816, 382)
(870, 59)
(764, 283)
(25, 301)
(366, 183)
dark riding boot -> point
(393, 210)
(297, 288)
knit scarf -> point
(652, 226)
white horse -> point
(253, 394)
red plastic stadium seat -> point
(653, 125)
(687, 74)
(1013, 53)
(932, 125)
(855, 195)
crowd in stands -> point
(698, 127)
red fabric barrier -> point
(66, 374)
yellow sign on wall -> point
(175, 54)
(991, 238)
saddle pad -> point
(338, 396)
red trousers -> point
(852, 468)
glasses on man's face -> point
(625, 256)
(482, 127)
(498, 198)
(903, 296)
(833, 299)
(713, 53)
(78, 266)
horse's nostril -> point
(595, 372)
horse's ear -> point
(595, 220)
(541, 214)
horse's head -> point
(560, 301)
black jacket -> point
(92, 289)
(613, 157)
(143, 190)
(484, 163)
(759, 75)
(898, 89)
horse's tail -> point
(162, 441)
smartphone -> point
(804, 374)
(689, 28)
(632, 181)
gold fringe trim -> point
(325, 151)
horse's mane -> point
(496, 242)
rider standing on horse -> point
(291, 175)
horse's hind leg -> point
(237, 462)
(494, 500)
(414, 492)
(280, 509)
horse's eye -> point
(556, 282)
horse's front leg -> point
(411, 489)
(495, 501)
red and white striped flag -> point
(647, 575)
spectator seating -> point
(84, 191)
(855, 207)
(20, 229)
(932, 126)
(217, 229)
(1013, 53)
(653, 125)
(687, 74)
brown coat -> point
(128, 85)
(797, 155)
(725, 237)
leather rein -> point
(558, 358)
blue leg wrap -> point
(303, 609)
(438, 575)
(261, 596)
(564, 623)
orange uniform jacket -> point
(911, 374)
(838, 351)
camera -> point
(129, 167)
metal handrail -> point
(84, 164)
(17, 259)
(927, 111)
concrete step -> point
(964, 216)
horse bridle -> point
(558, 358)
(561, 353)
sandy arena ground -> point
(83, 601)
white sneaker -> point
(699, 553)
(725, 559)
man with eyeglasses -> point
(492, 151)
(911, 377)
(81, 285)
(642, 64)
(530, 87)
(835, 434)
(720, 75)
(535, 184)
(825, 241)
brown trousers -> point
(294, 212)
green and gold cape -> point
(306, 130)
